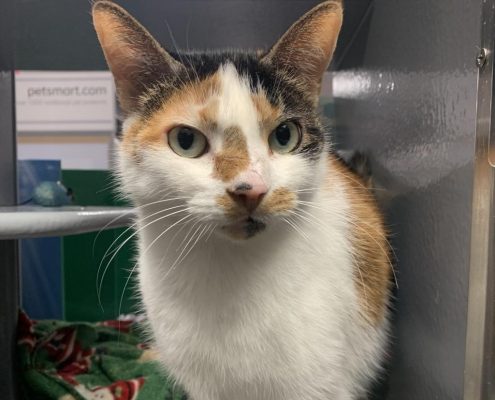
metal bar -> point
(9, 265)
(479, 364)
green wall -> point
(83, 254)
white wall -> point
(75, 152)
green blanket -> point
(104, 361)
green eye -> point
(187, 142)
(285, 138)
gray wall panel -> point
(58, 34)
(412, 105)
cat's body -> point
(240, 321)
(263, 261)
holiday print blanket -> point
(83, 361)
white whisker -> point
(127, 240)
(133, 210)
(186, 245)
(109, 251)
(296, 228)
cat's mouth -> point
(244, 228)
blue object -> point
(32, 173)
(51, 194)
(41, 260)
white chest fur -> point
(276, 317)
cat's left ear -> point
(305, 50)
(135, 58)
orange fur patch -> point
(193, 105)
(234, 157)
(230, 208)
(208, 116)
(281, 199)
(268, 114)
(371, 248)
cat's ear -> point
(305, 50)
(133, 55)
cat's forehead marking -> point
(236, 107)
(234, 156)
(237, 117)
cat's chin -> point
(244, 229)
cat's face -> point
(238, 157)
(233, 137)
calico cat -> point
(263, 260)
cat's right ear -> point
(305, 50)
(133, 55)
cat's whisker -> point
(133, 210)
(162, 234)
(172, 268)
(313, 223)
(211, 232)
(180, 258)
(296, 228)
(307, 190)
(109, 251)
(184, 224)
(197, 220)
(192, 220)
(127, 240)
(108, 187)
(312, 218)
(137, 262)
(174, 43)
(189, 57)
(188, 239)
(125, 287)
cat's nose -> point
(248, 195)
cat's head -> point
(234, 136)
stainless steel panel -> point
(479, 372)
(412, 105)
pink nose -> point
(248, 195)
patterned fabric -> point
(83, 361)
